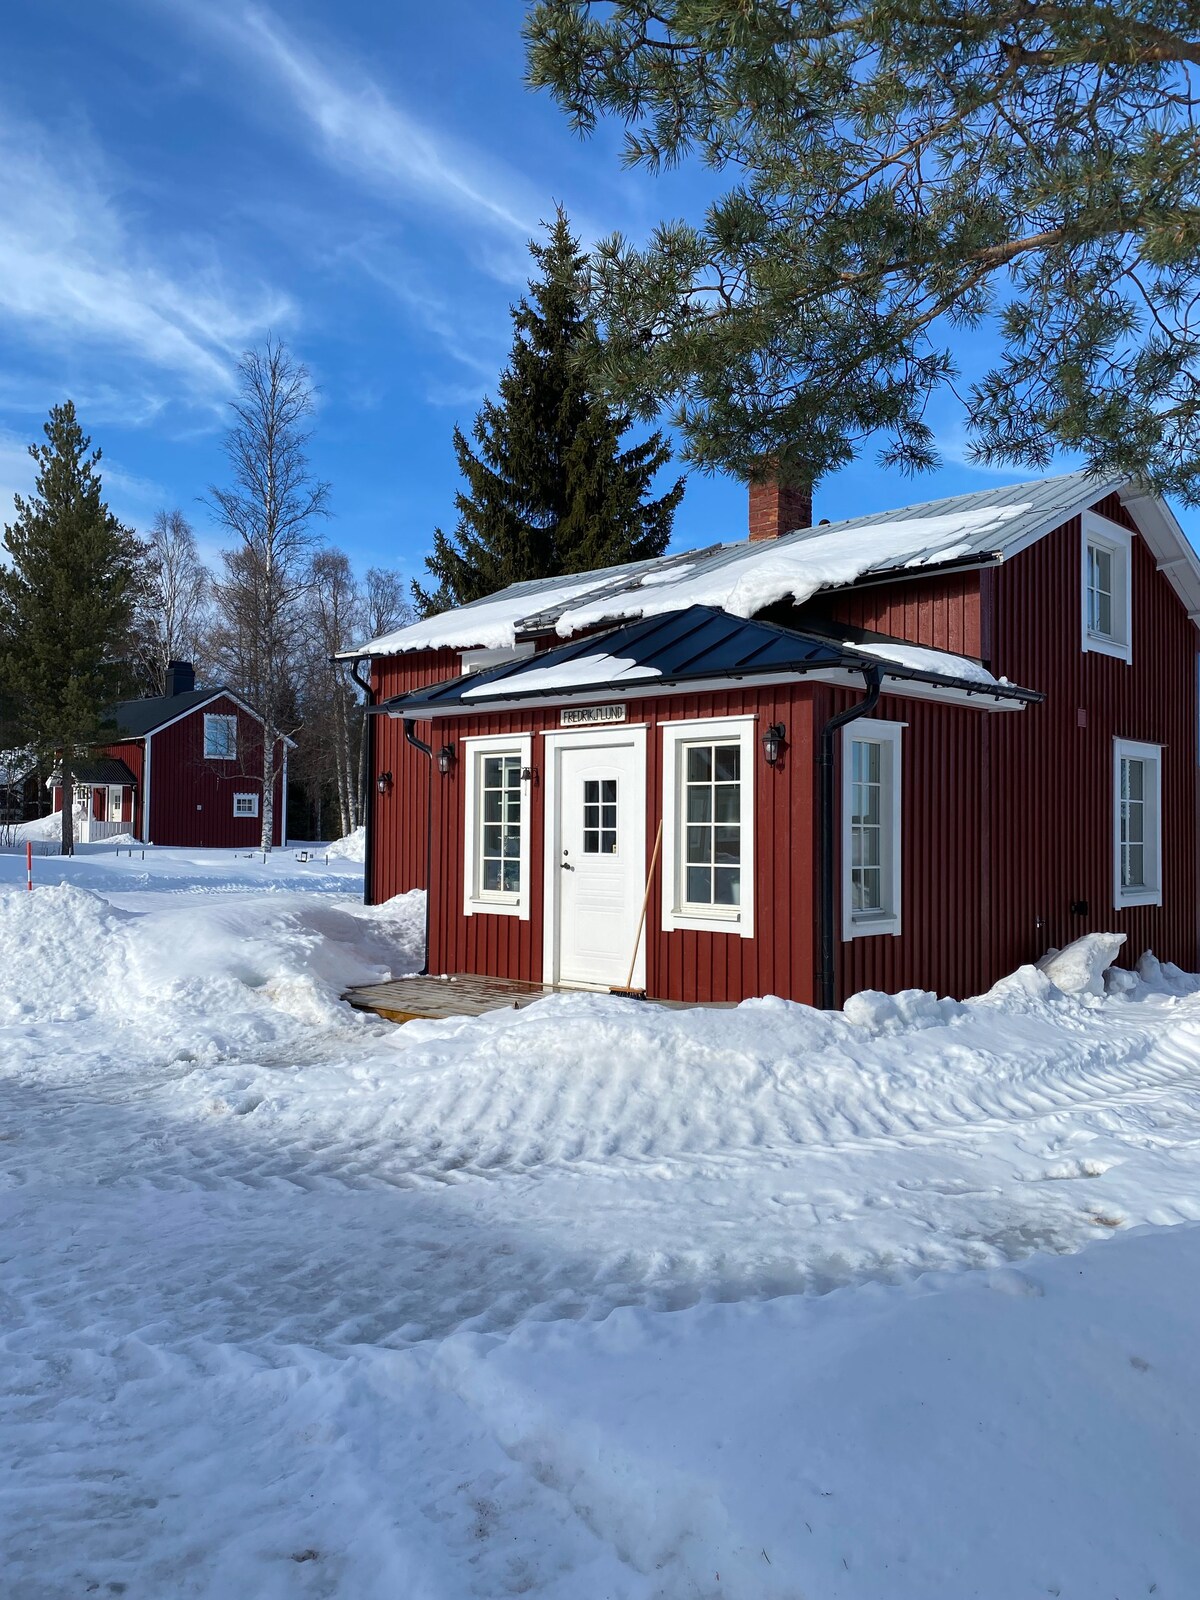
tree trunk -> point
(270, 739)
(67, 773)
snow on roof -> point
(743, 578)
(580, 671)
(921, 659)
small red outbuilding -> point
(914, 749)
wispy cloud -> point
(131, 497)
(361, 129)
(74, 270)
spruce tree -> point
(549, 487)
(66, 604)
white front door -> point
(596, 859)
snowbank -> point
(352, 847)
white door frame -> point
(600, 737)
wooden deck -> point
(462, 994)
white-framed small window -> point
(245, 805)
(1137, 824)
(496, 833)
(220, 737)
(1107, 588)
(871, 819)
(708, 825)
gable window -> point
(220, 738)
(1137, 824)
(708, 836)
(871, 829)
(1107, 609)
(496, 865)
(245, 805)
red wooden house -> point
(914, 749)
(184, 769)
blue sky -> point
(179, 177)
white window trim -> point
(220, 716)
(1119, 542)
(474, 902)
(245, 815)
(1151, 893)
(675, 916)
(888, 734)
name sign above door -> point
(585, 716)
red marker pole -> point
(29, 864)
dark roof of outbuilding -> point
(701, 643)
(136, 717)
(97, 769)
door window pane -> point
(600, 816)
(712, 833)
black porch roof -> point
(96, 770)
(699, 644)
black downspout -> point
(369, 734)
(827, 976)
(428, 749)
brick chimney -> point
(181, 677)
(777, 508)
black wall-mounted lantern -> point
(773, 742)
(446, 759)
(384, 783)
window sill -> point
(1101, 645)
(478, 906)
(871, 927)
(708, 921)
(1139, 897)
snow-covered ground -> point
(590, 1299)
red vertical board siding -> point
(943, 613)
(191, 798)
(397, 819)
(1051, 796)
(133, 753)
(681, 965)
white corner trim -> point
(603, 736)
(475, 903)
(1097, 530)
(1151, 893)
(145, 820)
(675, 915)
(890, 736)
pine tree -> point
(998, 185)
(549, 487)
(66, 604)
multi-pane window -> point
(245, 805)
(871, 828)
(1100, 591)
(1137, 824)
(1107, 587)
(500, 824)
(712, 811)
(600, 816)
(220, 738)
(866, 827)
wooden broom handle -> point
(645, 904)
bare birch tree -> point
(171, 606)
(385, 608)
(270, 509)
(334, 614)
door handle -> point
(566, 866)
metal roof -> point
(966, 535)
(96, 769)
(701, 643)
(136, 717)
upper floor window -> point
(220, 738)
(1107, 609)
